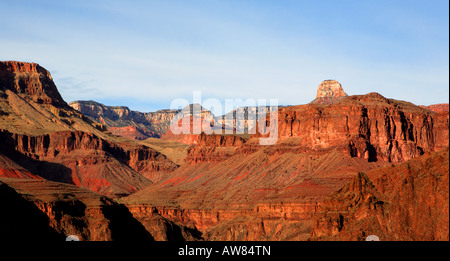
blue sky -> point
(144, 54)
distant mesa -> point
(41, 137)
(122, 121)
(440, 108)
(328, 92)
(30, 81)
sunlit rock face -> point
(328, 92)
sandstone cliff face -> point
(184, 130)
(86, 160)
(408, 201)
(44, 137)
(328, 92)
(218, 140)
(213, 148)
(230, 188)
(151, 124)
(189, 139)
(369, 126)
(242, 119)
(263, 222)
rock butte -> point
(339, 161)
(329, 91)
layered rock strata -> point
(367, 126)
(86, 160)
(120, 120)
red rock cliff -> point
(213, 148)
(408, 201)
(328, 92)
(442, 107)
(131, 132)
(366, 126)
(55, 210)
(86, 160)
(120, 120)
(31, 81)
(263, 222)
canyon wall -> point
(213, 148)
(328, 92)
(44, 137)
(408, 201)
(367, 126)
(120, 120)
(86, 160)
(440, 108)
(31, 80)
(263, 222)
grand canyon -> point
(343, 167)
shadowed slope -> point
(408, 201)
(21, 220)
